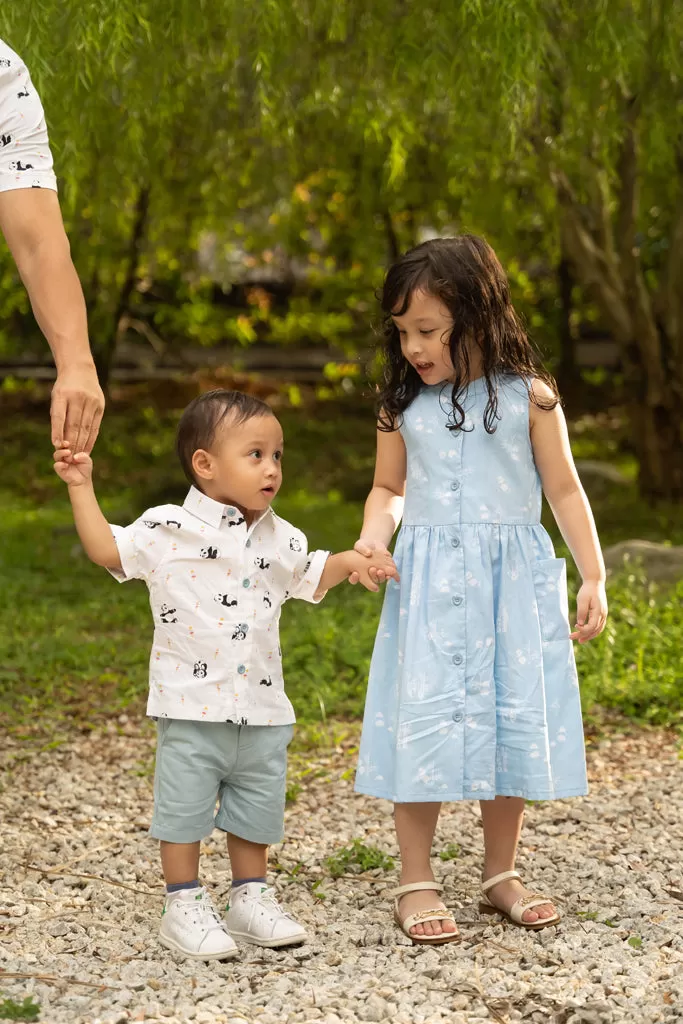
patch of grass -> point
(358, 858)
(450, 852)
(635, 941)
(26, 1010)
(587, 915)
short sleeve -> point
(142, 546)
(25, 156)
(307, 573)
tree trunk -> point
(606, 261)
(568, 373)
(103, 353)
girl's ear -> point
(202, 464)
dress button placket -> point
(457, 599)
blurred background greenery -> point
(234, 179)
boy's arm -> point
(93, 529)
(340, 566)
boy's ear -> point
(202, 464)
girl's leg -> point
(179, 861)
(415, 827)
(502, 819)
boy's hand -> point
(373, 569)
(74, 470)
(368, 548)
(591, 611)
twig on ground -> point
(92, 878)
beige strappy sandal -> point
(438, 914)
(520, 907)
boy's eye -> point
(277, 456)
(256, 452)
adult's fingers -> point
(75, 406)
(57, 418)
(94, 431)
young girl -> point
(473, 691)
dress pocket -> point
(550, 586)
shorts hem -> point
(175, 835)
(261, 838)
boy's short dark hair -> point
(200, 421)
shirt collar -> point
(214, 512)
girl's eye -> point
(430, 331)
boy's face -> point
(243, 466)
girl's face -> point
(424, 330)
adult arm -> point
(31, 221)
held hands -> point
(74, 470)
(591, 611)
(76, 408)
(372, 568)
(381, 565)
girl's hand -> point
(367, 547)
(74, 470)
(591, 611)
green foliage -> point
(450, 852)
(358, 858)
(27, 1009)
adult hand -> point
(76, 409)
(366, 547)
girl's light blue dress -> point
(473, 690)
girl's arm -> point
(93, 529)
(570, 507)
(384, 505)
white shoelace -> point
(268, 896)
(202, 912)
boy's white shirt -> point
(25, 156)
(210, 576)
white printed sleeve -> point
(307, 572)
(142, 545)
(25, 156)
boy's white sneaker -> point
(191, 925)
(254, 915)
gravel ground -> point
(81, 897)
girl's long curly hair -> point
(465, 274)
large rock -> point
(660, 563)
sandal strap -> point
(502, 877)
(417, 887)
(518, 909)
(426, 915)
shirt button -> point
(455, 486)
(241, 669)
(455, 543)
(457, 659)
(246, 583)
(457, 600)
(458, 716)
(231, 511)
